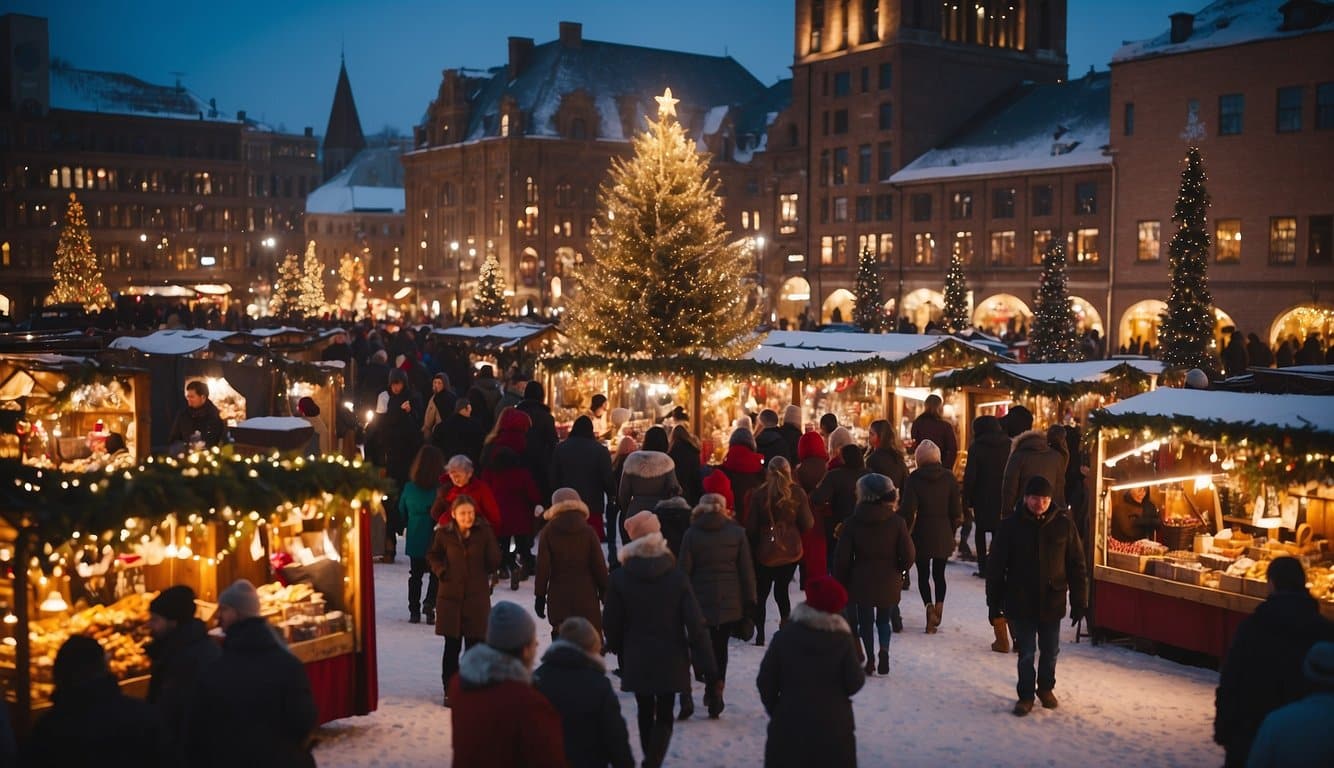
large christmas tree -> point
(663, 280)
(1188, 325)
(869, 312)
(77, 275)
(489, 303)
(956, 296)
(1054, 339)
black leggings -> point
(523, 548)
(934, 567)
(449, 662)
(655, 725)
(719, 636)
(777, 578)
(980, 549)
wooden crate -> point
(1255, 588)
(1230, 583)
(1127, 562)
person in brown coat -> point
(933, 510)
(873, 551)
(463, 555)
(1031, 455)
(571, 571)
(931, 425)
(778, 500)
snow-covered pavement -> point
(946, 701)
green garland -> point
(56, 505)
(685, 366)
(1115, 381)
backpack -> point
(780, 543)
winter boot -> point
(966, 552)
(414, 618)
(1048, 699)
(759, 634)
(429, 615)
(931, 621)
(940, 611)
(516, 576)
(870, 667)
(714, 700)
(883, 668)
(688, 706)
(1002, 642)
(896, 619)
(1022, 707)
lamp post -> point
(148, 264)
(458, 278)
(759, 274)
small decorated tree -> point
(490, 303)
(312, 282)
(870, 309)
(664, 280)
(77, 275)
(1054, 339)
(299, 289)
(956, 295)
(351, 283)
(285, 296)
(1188, 325)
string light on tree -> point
(77, 275)
(490, 302)
(1188, 324)
(1054, 338)
(869, 311)
(663, 280)
(956, 295)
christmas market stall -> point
(1197, 492)
(1056, 393)
(465, 348)
(86, 552)
(72, 413)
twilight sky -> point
(279, 60)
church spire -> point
(343, 138)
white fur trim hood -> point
(649, 545)
(648, 464)
(483, 665)
(803, 613)
(1031, 436)
(556, 509)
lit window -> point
(1227, 241)
(1149, 242)
(787, 213)
(1041, 239)
(886, 247)
(1086, 246)
(1283, 240)
(963, 246)
(1002, 248)
(924, 248)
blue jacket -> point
(1296, 735)
(414, 507)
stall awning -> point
(173, 342)
(502, 336)
(1053, 379)
(1218, 415)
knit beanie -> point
(509, 628)
(1319, 665)
(564, 494)
(742, 436)
(642, 524)
(1038, 485)
(174, 604)
(824, 593)
(577, 630)
(927, 453)
(792, 415)
(839, 438)
(242, 598)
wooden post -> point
(696, 411)
(799, 399)
(23, 643)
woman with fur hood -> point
(1032, 455)
(573, 677)
(654, 626)
(806, 681)
(571, 572)
(715, 554)
(648, 476)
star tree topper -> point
(666, 104)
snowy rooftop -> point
(1224, 23)
(502, 334)
(1070, 373)
(117, 93)
(1044, 127)
(614, 75)
(171, 342)
(1281, 411)
(372, 182)
(795, 357)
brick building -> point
(1253, 84)
(509, 160)
(174, 190)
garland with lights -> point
(216, 484)
(77, 275)
(1188, 325)
(1116, 380)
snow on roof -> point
(1045, 127)
(171, 342)
(796, 357)
(1220, 24)
(275, 423)
(265, 333)
(117, 93)
(1070, 373)
(1281, 411)
(373, 181)
(502, 334)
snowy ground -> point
(946, 701)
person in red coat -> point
(812, 464)
(459, 480)
(516, 495)
(744, 467)
(499, 719)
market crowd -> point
(643, 549)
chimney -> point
(240, 115)
(310, 132)
(571, 34)
(1183, 24)
(521, 51)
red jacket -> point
(499, 720)
(745, 469)
(478, 490)
(515, 492)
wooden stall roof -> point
(23, 373)
(1295, 379)
(1053, 379)
(176, 342)
(500, 337)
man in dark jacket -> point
(200, 417)
(931, 425)
(1031, 455)
(1235, 357)
(392, 441)
(574, 680)
(1263, 668)
(1035, 559)
(771, 442)
(180, 651)
(541, 443)
(982, 479)
(92, 722)
(253, 706)
(372, 379)
(582, 463)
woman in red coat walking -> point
(515, 489)
(460, 480)
(812, 464)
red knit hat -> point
(824, 593)
(715, 481)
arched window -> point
(504, 125)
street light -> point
(458, 281)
